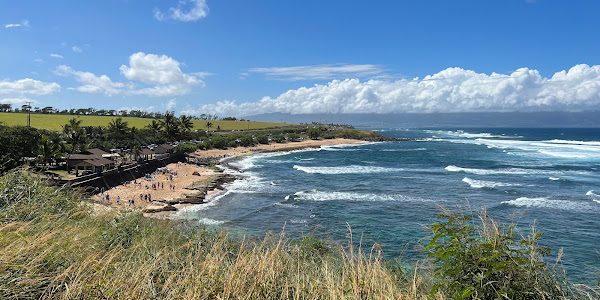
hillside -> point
(55, 122)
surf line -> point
(227, 164)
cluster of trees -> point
(100, 112)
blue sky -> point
(246, 57)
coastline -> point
(191, 190)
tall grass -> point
(78, 254)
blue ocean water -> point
(389, 192)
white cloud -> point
(76, 49)
(327, 71)
(92, 83)
(161, 71)
(17, 101)
(56, 55)
(161, 75)
(171, 104)
(186, 11)
(451, 90)
(28, 86)
(24, 23)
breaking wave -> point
(478, 184)
(353, 169)
(316, 195)
(541, 202)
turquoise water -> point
(388, 192)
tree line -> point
(49, 110)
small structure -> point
(94, 160)
(163, 149)
(95, 165)
(147, 153)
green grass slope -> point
(55, 122)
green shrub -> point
(489, 260)
(25, 198)
(186, 147)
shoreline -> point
(191, 190)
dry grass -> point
(79, 257)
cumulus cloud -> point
(451, 90)
(56, 55)
(327, 71)
(158, 70)
(171, 104)
(160, 74)
(91, 82)
(28, 86)
(186, 11)
(24, 23)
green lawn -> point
(55, 122)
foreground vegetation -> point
(52, 246)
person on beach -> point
(149, 198)
(118, 199)
(108, 197)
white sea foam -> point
(592, 194)
(488, 172)
(553, 148)
(305, 159)
(468, 135)
(287, 205)
(207, 221)
(478, 184)
(542, 202)
(554, 178)
(296, 221)
(591, 143)
(515, 171)
(190, 211)
(352, 169)
(344, 147)
(316, 195)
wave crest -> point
(352, 169)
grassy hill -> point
(55, 122)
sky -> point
(239, 58)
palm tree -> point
(75, 134)
(186, 123)
(154, 126)
(118, 128)
(48, 150)
(208, 125)
(137, 152)
(170, 125)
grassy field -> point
(55, 122)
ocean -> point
(389, 192)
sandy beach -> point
(176, 177)
(218, 153)
(158, 186)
